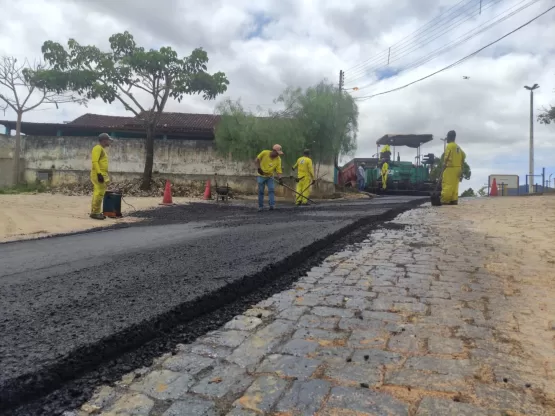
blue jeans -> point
(262, 182)
(360, 183)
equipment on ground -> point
(223, 193)
(111, 205)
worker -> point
(305, 177)
(99, 174)
(385, 171)
(453, 160)
(268, 163)
(385, 153)
(361, 173)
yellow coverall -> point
(305, 174)
(386, 148)
(454, 159)
(99, 159)
(385, 169)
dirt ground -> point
(36, 215)
(522, 230)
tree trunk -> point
(17, 152)
(149, 158)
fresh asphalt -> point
(67, 303)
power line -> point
(415, 45)
(464, 38)
(385, 52)
(460, 60)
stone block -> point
(231, 339)
(360, 401)
(133, 404)
(354, 373)
(243, 323)
(293, 313)
(212, 351)
(375, 358)
(427, 381)
(289, 366)
(192, 406)
(460, 368)
(321, 336)
(223, 380)
(259, 313)
(304, 397)
(431, 406)
(299, 347)
(188, 363)
(261, 396)
(373, 338)
(321, 322)
(441, 345)
(164, 384)
(327, 311)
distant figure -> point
(361, 180)
(453, 161)
(267, 163)
(385, 171)
(99, 174)
(305, 177)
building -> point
(184, 151)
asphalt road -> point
(66, 302)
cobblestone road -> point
(441, 312)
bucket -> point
(111, 205)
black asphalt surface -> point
(68, 303)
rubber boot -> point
(97, 216)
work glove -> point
(100, 178)
(280, 181)
(261, 171)
(313, 182)
(297, 180)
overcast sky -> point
(267, 45)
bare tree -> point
(22, 91)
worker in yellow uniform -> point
(453, 158)
(99, 175)
(267, 163)
(385, 171)
(305, 177)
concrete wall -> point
(67, 160)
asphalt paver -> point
(68, 303)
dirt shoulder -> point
(36, 215)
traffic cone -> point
(493, 191)
(208, 191)
(167, 200)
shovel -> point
(435, 195)
(291, 189)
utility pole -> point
(340, 91)
(341, 81)
(531, 156)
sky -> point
(269, 45)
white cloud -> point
(268, 45)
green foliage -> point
(438, 168)
(23, 188)
(318, 118)
(547, 116)
(468, 193)
(141, 80)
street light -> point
(531, 158)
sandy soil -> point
(522, 235)
(30, 216)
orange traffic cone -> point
(167, 200)
(208, 190)
(493, 191)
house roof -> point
(169, 123)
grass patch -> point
(24, 188)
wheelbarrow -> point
(223, 193)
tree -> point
(547, 116)
(142, 81)
(21, 91)
(469, 193)
(483, 191)
(318, 118)
(438, 168)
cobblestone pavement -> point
(441, 312)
